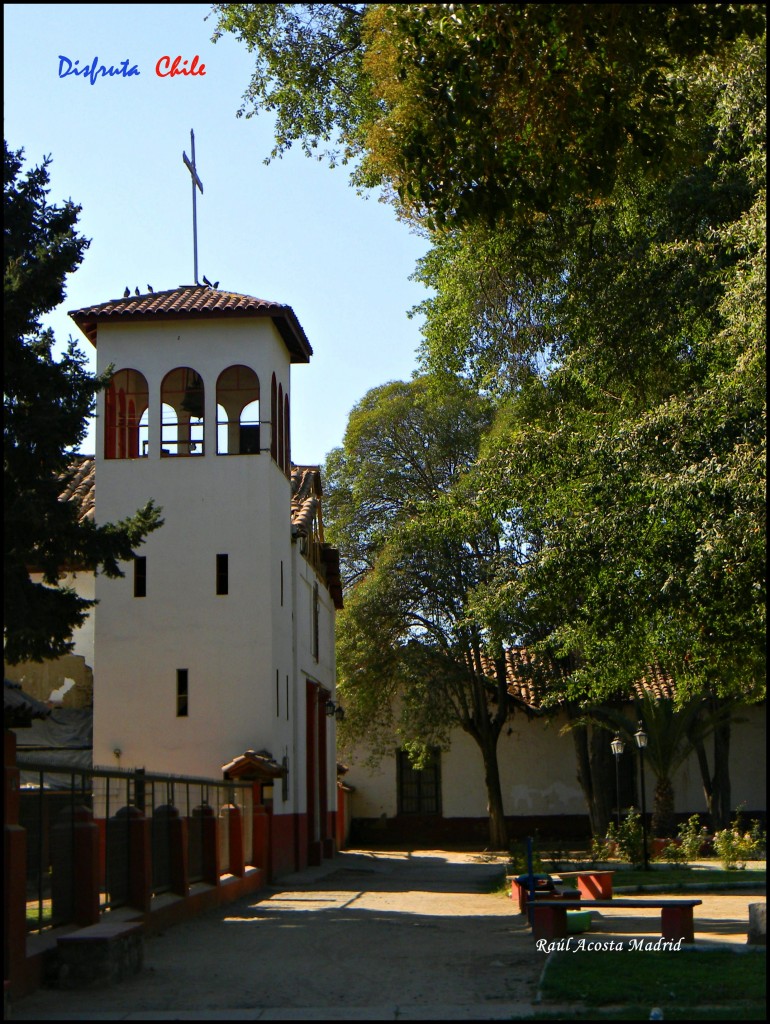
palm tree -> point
(672, 735)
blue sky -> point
(293, 231)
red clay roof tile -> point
(195, 302)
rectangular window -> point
(419, 792)
(223, 581)
(140, 576)
(181, 693)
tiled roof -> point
(656, 684)
(305, 509)
(527, 675)
(254, 765)
(195, 302)
(78, 486)
(305, 500)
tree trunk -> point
(716, 786)
(498, 830)
(721, 812)
(595, 773)
(663, 821)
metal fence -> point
(50, 797)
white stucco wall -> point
(321, 671)
(539, 773)
(232, 645)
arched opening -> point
(182, 412)
(273, 419)
(238, 412)
(280, 428)
(126, 403)
(286, 434)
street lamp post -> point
(641, 741)
(617, 746)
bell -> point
(193, 395)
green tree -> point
(640, 457)
(593, 179)
(673, 734)
(46, 404)
(307, 70)
(414, 659)
(473, 111)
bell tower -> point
(195, 653)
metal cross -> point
(195, 181)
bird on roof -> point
(216, 284)
(136, 291)
(150, 289)
(206, 281)
(127, 292)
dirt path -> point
(391, 929)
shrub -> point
(734, 846)
(689, 843)
(517, 863)
(605, 848)
(673, 852)
(627, 841)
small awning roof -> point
(250, 765)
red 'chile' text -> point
(166, 68)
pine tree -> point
(46, 404)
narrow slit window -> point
(223, 581)
(287, 698)
(182, 706)
(315, 623)
(140, 576)
(277, 696)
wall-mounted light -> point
(334, 710)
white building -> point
(220, 637)
(447, 801)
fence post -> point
(261, 839)
(235, 827)
(209, 843)
(85, 863)
(140, 859)
(14, 868)
(179, 858)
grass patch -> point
(741, 1011)
(500, 886)
(34, 920)
(666, 878)
(671, 981)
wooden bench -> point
(544, 888)
(593, 885)
(676, 919)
